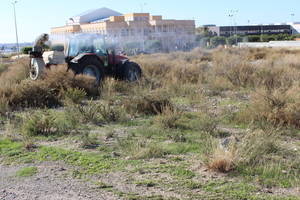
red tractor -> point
(84, 55)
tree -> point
(26, 50)
(153, 46)
(217, 40)
(253, 38)
(233, 40)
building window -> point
(165, 28)
(132, 32)
(123, 32)
(159, 28)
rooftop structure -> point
(92, 16)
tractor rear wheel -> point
(131, 72)
(92, 67)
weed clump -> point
(142, 149)
(168, 118)
(46, 123)
(88, 142)
(148, 104)
(278, 107)
(96, 112)
(14, 73)
(74, 95)
(222, 160)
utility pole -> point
(261, 32)
(16, 27)
(231, 23)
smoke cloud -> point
(143, 42)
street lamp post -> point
(231, 23)
(293, 15)
(142, 6)
(16, 27)
(232, 15)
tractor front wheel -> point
(131, 72)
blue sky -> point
(37, 16)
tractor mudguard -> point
(82, 56)
(76, 63)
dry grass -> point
(15, 73)
(47, 92)
(279, 107)
(149, 104)
(169, 117)
(222, 160)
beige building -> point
(132, 27)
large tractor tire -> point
(131, 72)
(37, 67)
(94, 68)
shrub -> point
(217, 41)
(74, 95)
(4, 108)
(46, 123)
(26, 50)
(85, 113)
(222, 160)
(151, 151)
(112, 88)
(168, 118)
(47, 92)
(251, 150)
(59, 79)
(256, 146)
(96, 112)
(142, 149)
(88, 142)
(233, 40)
(3, 68)
(204, 122)
(278, 107)
(39, 123)
(254, 38)
(149, 104)
(111, 113)
(30, 94)
(14, 73)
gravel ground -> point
(52, 182)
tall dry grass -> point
(17, 92)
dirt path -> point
(52, 182)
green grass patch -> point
(27, 172)
(91, 163)
(221, 189)
(181, 172)
(272, 174)
(146, 183)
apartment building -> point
(130, 27)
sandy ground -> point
(52, 182)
